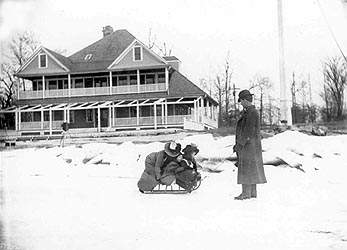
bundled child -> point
(187, 175)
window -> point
(72, 116)
(89, 115)
(52, 84)
(88, 57)
(142, 79)
(58, 115)
(66, 84)
(42, 61)
(137, 53)
(161, 78)
(150, 79)
(78, 83)
(133, 80)
(101, 82)
(60, 84)
(123, 80)
(36, 116)
(88, 82)
(37, 85)
(46, 116)
(114, 81)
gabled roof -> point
(59, 59)
(103, 52)
(64, 60)
(171, 58)
(181, 86)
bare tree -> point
(160, 47)
(335, 81)
(261, 85)
(8, 83)
(20, 49)
(218, 85)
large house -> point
(116, 83)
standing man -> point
(248, 148)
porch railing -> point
(124, 122)
(37, 125)
(30, 94)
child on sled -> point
(187, 176)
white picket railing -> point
(56, 93)
(37, 125)
(152, 87)
(124, 89)
(90, 91)
(30, 94)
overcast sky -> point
(201, 33)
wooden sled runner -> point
(172, 189)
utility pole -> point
(286, 117)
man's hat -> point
(243, 94)
(172, 149)
(191, 148)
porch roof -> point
(97, 104)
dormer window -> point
(138, 53)
(88, 57)
(42, 61)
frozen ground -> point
(86, 198)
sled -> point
(172, 189)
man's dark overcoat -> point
(250, 159)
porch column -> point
(138, 81)
(113, 115)
(137, 113)
(18, 89)
(16, 120)
(19, 120)
(201, 109)
(166, 112)
(43, 87)
(110, 117)
(69, 84)
(99, 122)
(50, 121)
(162, 114)
(42, 120)
(195, 110)
(155, 116)
(167, 79)
(111, 82)
(68, 115)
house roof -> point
(170, 58)
(103, 52)
(180, 85)
(64, 60)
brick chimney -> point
(107, 30)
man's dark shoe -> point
(242, 197)
(253, 196)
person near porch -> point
(160, 167)
(65, 128)
(248, 148)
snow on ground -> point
(86, 197)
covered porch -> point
(115, 115)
